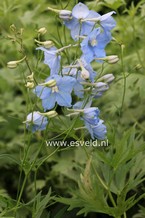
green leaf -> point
(41, 203)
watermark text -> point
(89, 143)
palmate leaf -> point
(122, 170)
(89, 197)
(41, 203)
(86, 205)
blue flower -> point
(79, 12)
(82, 71)
(99, 131)
(93, 123)
(59, 93)
(78, 88)
(90, 115)
(35, 122)
(51, 58)
(94, 44)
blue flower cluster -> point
(92, 32)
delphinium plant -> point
(63, 114)
(91, 33)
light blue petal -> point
(89, 128)
(66, 83)
(56, 77)
(49, 103)
(99, 53)
(56, 66)
(42, 92)
(63, 99)
(94, 34)
(103, 39)
(51, 58)
(108, 24)
(81, 104)
(78, 90)
(93, 14)
(75, 31)
(99, 131)
(70, 24)
(106, 16)
(80, 11)
(87, 26)
(88, 56)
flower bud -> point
(30, 85)
(13, 27)
(30, 78)
(65, 14)
(12, 64)
(101, 87)
(46, 44)
(49, 114)
(112, 59)
(42, 30)
(85, 73)
(49, 83)
(108, 78)
(138, 67)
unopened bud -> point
(49, 83)
(42, 31)
(108, 78)
(101, 87)
(46, 44)
(49, 114)
(30, 85)
(14, 64)
(65, 14)
(138, 67)
(85, 73)
(30, 78)
(13, 27)
(112, 59)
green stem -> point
(48, 157)
(124, 215)
(124, 80)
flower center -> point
(93, 42)
(54, 89)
